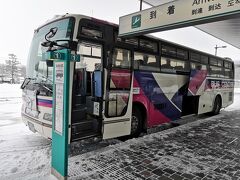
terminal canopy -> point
(227, 30)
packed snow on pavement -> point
(27, 155)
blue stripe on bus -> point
(156, 96)
(45, 101)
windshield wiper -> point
(41, 84)
(47, 88)
(44, 78)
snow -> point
(25, 155)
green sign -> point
(59, 55)
(136, 21)
(176, 14)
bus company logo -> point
(136, 21)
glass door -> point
(118, 104)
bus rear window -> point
(91, 32)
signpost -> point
(176, 14)
(62, 60)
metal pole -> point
(141, 4)
(216, 50)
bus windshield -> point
(36, 68)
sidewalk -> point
(204, 149)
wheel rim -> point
(134, 124)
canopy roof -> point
(226, 30)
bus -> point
(121, 86)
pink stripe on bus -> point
(44, 104)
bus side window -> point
(227, 73)
(166, 64)
(198, 66)
(216, 71)
(121, 58)
(173, 65)
(145, 62)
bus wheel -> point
(136, 123)
(217, 106)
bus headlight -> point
(47, 116)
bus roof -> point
(79, 16)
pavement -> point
(207, 148)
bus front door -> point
(87, 92)
(118, 95)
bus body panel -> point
(161, 94)
(197, 82)
(214, 87)
(41, 123)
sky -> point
(20, 18)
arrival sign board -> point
(176, 14)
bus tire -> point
(136, 123)
(217, 105)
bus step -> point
(84, 136)
(78, 115)
(85, 129)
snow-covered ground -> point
(25, 155)
(22, 153)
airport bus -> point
(121, 86)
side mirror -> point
(72, 45)
(25, 83)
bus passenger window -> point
(145, 62)
(121, 58)
(195, 56)
(216, 71)
(166, 64)
(147, 44)
(227, 73)
(213, 61)
(169, 50)
(198, 66)
(172, 65)
(182, 54)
